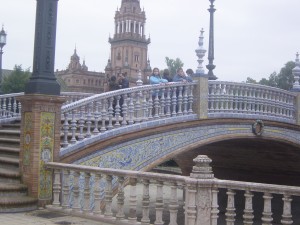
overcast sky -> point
(252, 37)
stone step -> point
(10, 133)
(7, 150)
(13, 126)
(17, 204)
(9, 175)
(11, 189)
(9, 162)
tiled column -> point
(40, 142)
(201, 96)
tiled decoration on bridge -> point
(46, 154)
(27, 138)
(137, 154)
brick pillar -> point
(199, 194)
(201, 96)
(40, 143)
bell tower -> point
(129, 45)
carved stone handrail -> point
(251, 101)
(98, 185)
(103, 113)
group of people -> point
(119, 82)
(180, 76)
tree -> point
(283, 80)
(251, 80)
(15, 82)
(173, 65)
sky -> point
(253, 38)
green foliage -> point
(251, 80)
(283, 80)
(15, 82)
(173, 65)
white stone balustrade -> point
(115, 197)
(98, 114)
(10, 107)
(243, 100)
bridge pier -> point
(40, 143)
(200, 94)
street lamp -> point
(2, 43)
(211, 65)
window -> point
(136, 58)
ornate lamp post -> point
(2, 43)
(210, 65)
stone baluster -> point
(4, 107)
(145, 203)
(73, 128)
(66, 189)
(9, 108)
(124, 110)
(103, 115)
(287, 216)
(236, 99)
(76, 205)
(108, 197)
(159, 204)
(138, 107)
(156, 104)
(131, 109)
(120, 200)
(214, 207)
(56, 188)
(180, 101)
(15, 107)
(96, 118)
(81, 124)
(173, 205)
(145, 106)
(89, 120)
(190, 202)
(213, 97)
(267, 213)
(226, 98)
(66, 130)
(132, 201)
(190, 100)
(117, 111)
(86, 204)
(248, 211)
(231, 98)
(230, 210)
(162, 103)
(168, 102)
(252, 99)
(150, 105)
(185, 100)
(97, 194)
(20, 107)
(174, 101)
(110, 113)
(246, 100)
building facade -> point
(129, 45)
(77, 78)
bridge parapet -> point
(124, 109)
(243, 100)
(85, 189)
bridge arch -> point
(146, 149)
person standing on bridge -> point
(155, 77)
(181, 77)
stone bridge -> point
(242, 127)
